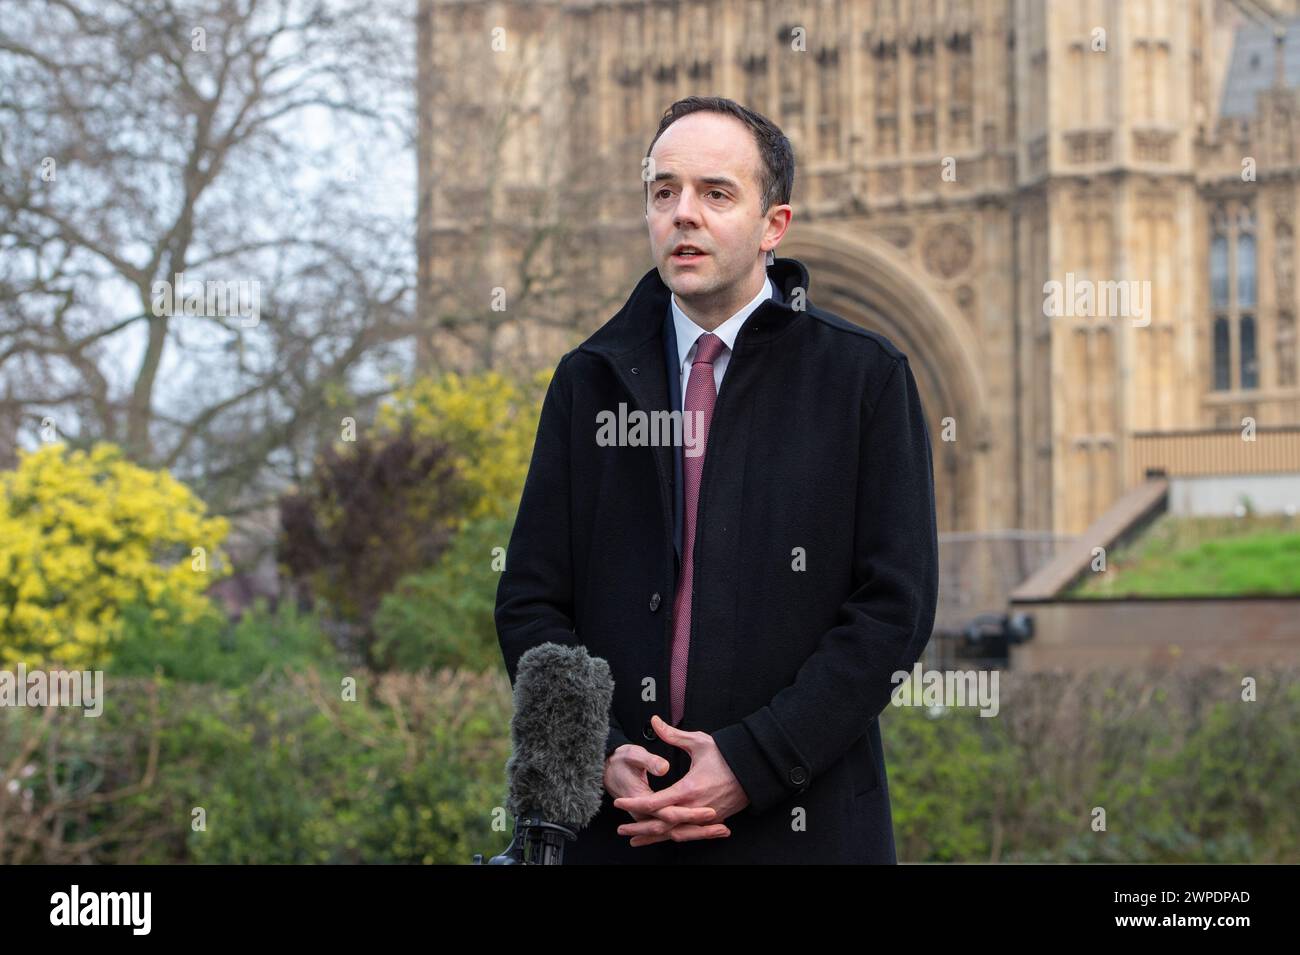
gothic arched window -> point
(1246, 270)
(1219, 271)
(1249, 364)
(1222, 360)
(1234, 359)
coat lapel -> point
(674, 361)
(631, 342)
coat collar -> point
(641, 318)
(686, 333)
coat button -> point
(654, 601)
(648, 731)
(798, 776)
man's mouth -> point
(687, 253)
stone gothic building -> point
(1076, 217)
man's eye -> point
(716, 192)
(660, 193)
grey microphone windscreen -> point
(558, 732)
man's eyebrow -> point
(669, 176)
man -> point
(755, 584)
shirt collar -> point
(688, 331)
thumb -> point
(651, 763)
(670, 734)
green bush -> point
(372, 511)
(943, 773)
(286, 770)
(444, 617)
(411, 776)
(217, 651)
(1185, 770)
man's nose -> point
(686, 210)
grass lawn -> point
(1202, 556)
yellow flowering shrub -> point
(83, 535)
(489, 421)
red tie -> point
(701, 393)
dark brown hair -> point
(776, 155)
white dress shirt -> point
(688, 334)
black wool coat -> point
(816, 566)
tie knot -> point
(708, 347)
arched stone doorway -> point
(865, 280)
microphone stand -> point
(536, 842)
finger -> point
(689, 833)
(684, 834)
(695, 814)
(671, 734)
(653, 826)
(672, 816)
(649, 762)
(648, 840)
(653, 802)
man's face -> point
(706, 193)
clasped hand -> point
(692, 808)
